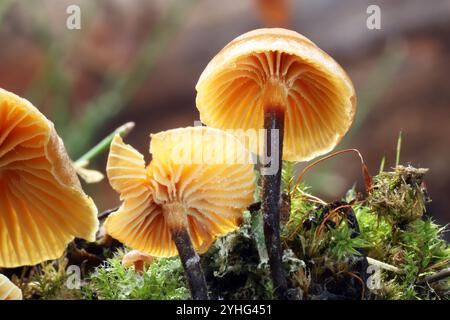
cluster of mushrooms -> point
(272, 79)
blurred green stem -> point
(383, 161)
(399, 147)
(103, 145)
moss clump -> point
(330, 248)
(375, 231)
(162, 280)
(419, 251)
(399, 194)
(48, 281)
(326, 245)
(233, 267)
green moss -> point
(233, 266)
(392, 229)
(398, 195)
(48, 281)
(375, 230)
(423, 251)
(162, 280)
(324, 252)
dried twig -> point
(440, 275)
(383, 265)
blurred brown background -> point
(139, 60)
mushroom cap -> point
(135, 255)
(42, 205)
(8, 290)
(177, 191)
(278, 69)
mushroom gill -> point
(8, 290)
(278, 69)
(206, 199)
(42, 205)
(195, 189)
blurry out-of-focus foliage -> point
(118, 87)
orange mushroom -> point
(277, 79)
(137, 259)
(8, 290)
(42, 205)
(192, 192)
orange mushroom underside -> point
(42, 206)
(8, 290)
(207, 200)
(278, 69)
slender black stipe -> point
(191, 264)
(270, 202)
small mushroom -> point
(277, 79)
(42, 205)
(137, 259)
(178, 205)
(8, 290)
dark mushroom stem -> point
(270, 202)
(191, 264)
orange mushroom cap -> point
(280, 69)
(8, 290)
(134, 256)
(177, 191)
(42, 205)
